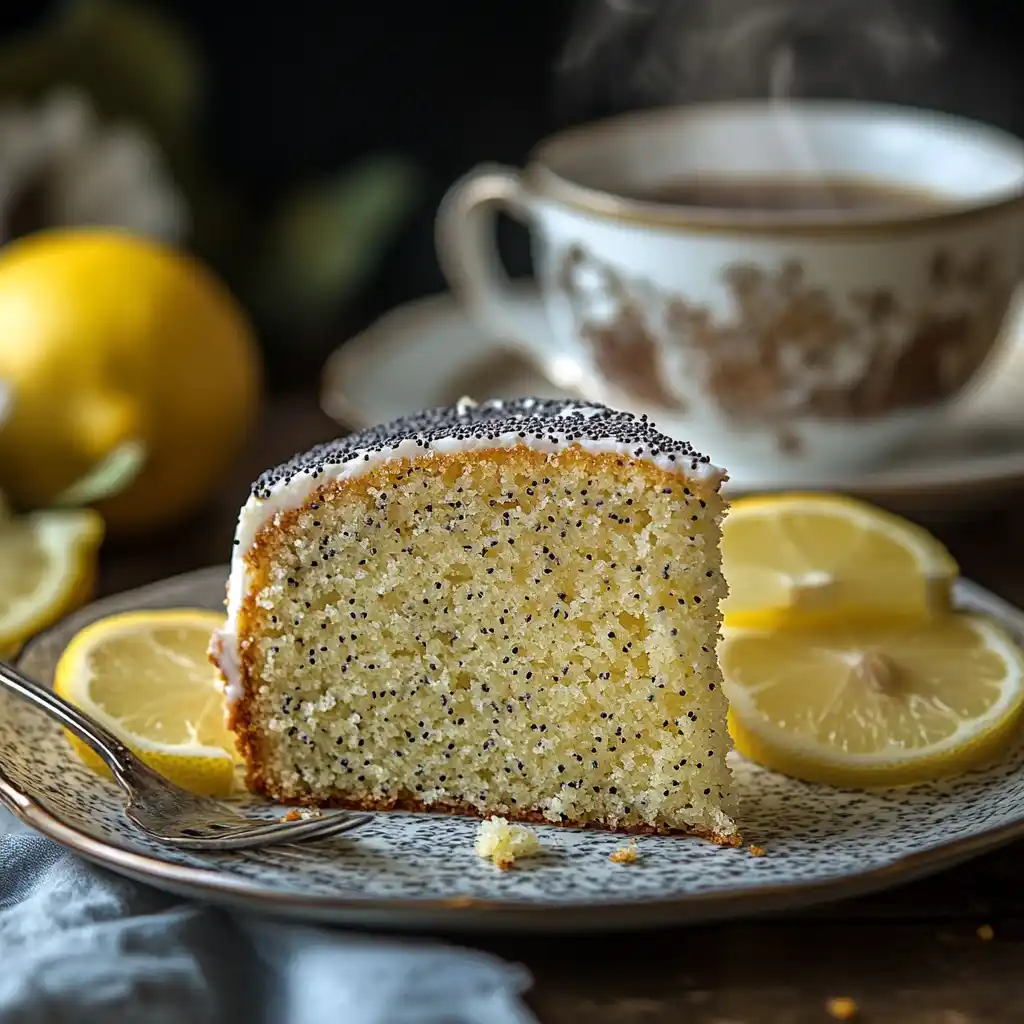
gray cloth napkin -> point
(80, 945)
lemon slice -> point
(811, 559)
(145, 675)
(863, 705)
(47, 567)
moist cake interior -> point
(503, 631)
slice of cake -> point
(505, 609)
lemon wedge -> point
(47, 567)
(145, 676)
(862, 705)
(812, 559)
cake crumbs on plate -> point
(986, 933)
(755, 851)
(503, 843)
(627, 854)
(301, 814)
(841, 1008)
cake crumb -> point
(755, 851)
(841, 1008)
(503, 844)
(301, 814)
(986, 933)
(627, 854)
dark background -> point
(299, 87)
(296, 90)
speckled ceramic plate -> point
(429, 353)
(420, 871)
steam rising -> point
(625, 54)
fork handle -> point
(115, 755)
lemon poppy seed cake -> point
(498, 609)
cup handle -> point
(468, 252)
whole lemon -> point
(111, 343)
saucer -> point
(429, 353)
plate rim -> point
(999, 469)
(461, 913)
(466, 914)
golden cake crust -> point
(512, 814)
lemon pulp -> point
(47, 567)
(145, 675)
(857, 704)
(810, 559)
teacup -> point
(811, 282)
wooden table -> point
(908, 956)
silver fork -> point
(163, 810)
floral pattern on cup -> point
(789, 349)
